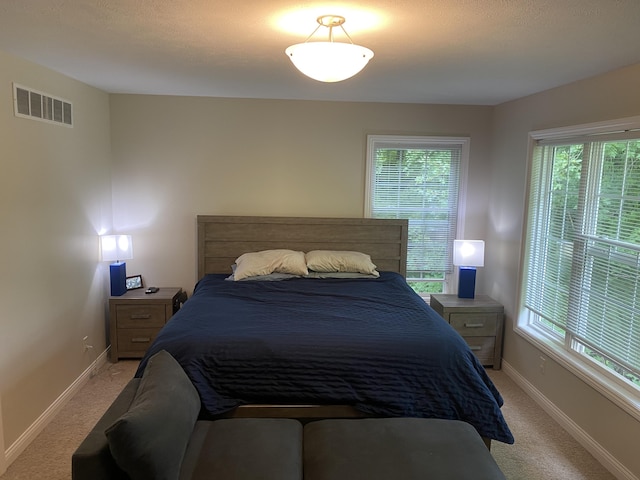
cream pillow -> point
(340, 261)
(270, 261)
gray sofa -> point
(152, 431)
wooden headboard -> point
(222, 239)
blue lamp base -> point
(118, 273)
(467, 282)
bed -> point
(322, 347)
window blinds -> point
(583, 246)
(419, 183)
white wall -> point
(55, 190)
(610, 96)
(176, 157)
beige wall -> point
(157, 162)
(55, 186)
(176, 157)
(605, 97)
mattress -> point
(373, 344)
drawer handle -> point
(141, 340)
(140, 316)
(475, 348)
(474, 325)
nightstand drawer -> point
(482, 347)
(479, 320)
(140, 316)
(136, 317)
(474, 324)
(135, 339)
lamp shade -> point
(329, 61)
(116, 247)
(468, 253)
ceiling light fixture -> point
(329, 61)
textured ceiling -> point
(480, 52)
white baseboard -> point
(43, 420)
(583, 438)
(3, 455)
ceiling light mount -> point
(331, 21)
(329, 61)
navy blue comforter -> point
(370, 343)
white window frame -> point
(406, 141)
(558, 347)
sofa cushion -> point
(245, 449)
(396, 448)
(150, 439)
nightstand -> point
(136, 317)
(479, 320)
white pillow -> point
(270, 261)
(340, 261)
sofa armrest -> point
(92, 460)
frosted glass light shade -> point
(329, 61)
(116, 247)
(468, 253)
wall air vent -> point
(29, 103)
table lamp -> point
(467, 254)
(116, 248)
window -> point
(581, 275)
(420, 178)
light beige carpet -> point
(543, 450)
(48, 457)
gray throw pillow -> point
(149, 440)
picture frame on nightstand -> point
(134, 282)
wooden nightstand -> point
(136, 317)
(479, 320)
